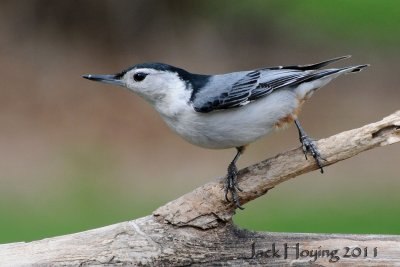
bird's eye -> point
(139, 76)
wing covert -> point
(256, 84)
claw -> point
(226, 192)
(238, 188)
(309, 146)
(231, 186)
(304, 149)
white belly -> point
(234, 127)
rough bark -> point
(197, 227)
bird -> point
(230, 110)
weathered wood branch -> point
(197, 227)
(205, 207)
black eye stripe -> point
(140, 76)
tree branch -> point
(205, 207)
(197, 227)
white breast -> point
(232, 127)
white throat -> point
(175, 99)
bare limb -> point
(205, 207)
(146, 242)
(208, 235)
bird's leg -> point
(309, 146)
(231, 184)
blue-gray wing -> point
(236, 95)
(237, 89)
(251, 86)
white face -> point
(164, 90)
(153, 85)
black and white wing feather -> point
(238, 93)
(252, 85)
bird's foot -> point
(309, 146)
(231, 185)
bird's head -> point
(152, 81)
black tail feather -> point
(358, 68)
(311, 66)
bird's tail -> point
(319, 78)
(352, 69)
(333, 73)
(313, 66)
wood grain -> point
(197, 229)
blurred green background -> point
(76, 155)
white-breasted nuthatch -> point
(229, 110)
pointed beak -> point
(112, 79)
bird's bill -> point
(104, 79)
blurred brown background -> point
(76, 155)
